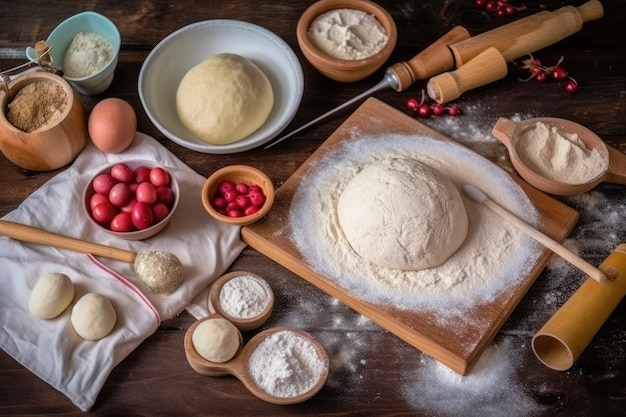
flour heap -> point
(559, 156)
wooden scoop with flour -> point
(511, 134)
(162, 272)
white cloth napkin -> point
(51, 349)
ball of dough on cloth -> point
(402, 214)
(93, 316)
(224, 99)
(51, 295)
(216, 340)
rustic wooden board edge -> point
(257, 236)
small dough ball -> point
(93, 316)
(402, 214)
(224, 99)
(51, 295)
(216, 340)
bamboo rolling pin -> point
(563, 338)
(480, 197)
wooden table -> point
(372, 372)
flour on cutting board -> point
(499, 371)
(493, 257)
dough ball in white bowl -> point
(216, 340)
(93, 316)
(402, 214)
(224, 99)
(51, 295)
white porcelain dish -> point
(172, 57)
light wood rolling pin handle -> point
(435, 59)
(485, 68)
(560, 341)
(479, 196)
(32, 234)
(528, 34)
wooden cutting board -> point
(458, 350)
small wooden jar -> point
(54, 144)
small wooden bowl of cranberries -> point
(132, 200)
(238, 195)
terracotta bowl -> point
(88, 192)
(51, 146)
(341, 69)
(237, 174)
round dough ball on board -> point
(216, 340)
(402, 214)
(51, 295)
(224, 99)
(93, 316)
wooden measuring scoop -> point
(509, 133)
(238, 366)
(162, 272)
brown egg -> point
(112, 125)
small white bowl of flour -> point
(86, 46)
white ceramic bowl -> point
(88, 192)
(171, 58)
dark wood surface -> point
(372, 372)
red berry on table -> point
(438, 109)
(412, 104)
(424, 110)
(540, 77)
(559, 73)
(571, 87)
(453, 111)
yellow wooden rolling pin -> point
(563, 338)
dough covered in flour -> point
(224, 99)
(216, 340)
(402, 214)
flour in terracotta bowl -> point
(494, 257)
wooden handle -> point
(503, 130)
(433, 60)
(548, 242)
(616, 174)
(529, 34)
(32, 234)
(485, 68)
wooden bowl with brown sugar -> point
(41, 143)
(341, 69)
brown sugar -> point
(36, 105)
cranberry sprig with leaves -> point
(541, 73)
(425, 110)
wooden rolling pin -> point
(512, 41)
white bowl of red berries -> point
(238, 195)
(133, 200)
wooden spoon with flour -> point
(162, 272)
